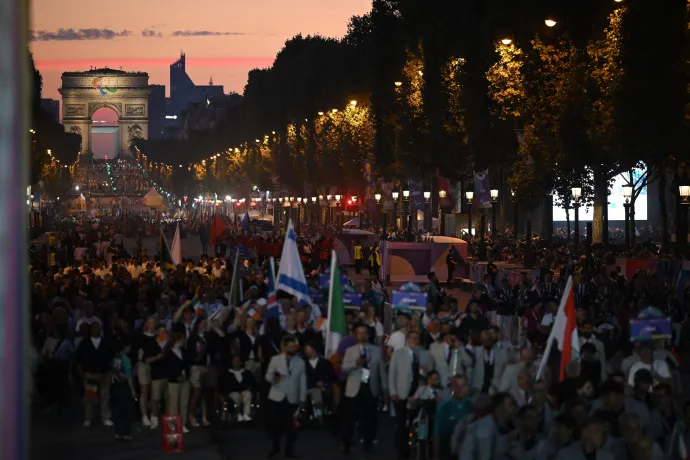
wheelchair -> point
(227, 411)
(420, 430)
(319, 406)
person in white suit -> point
(288, 378)
(409, 365)
(364, 369)
(450, 358)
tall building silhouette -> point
(167, 113)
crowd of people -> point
(107, 177)
(137, 338)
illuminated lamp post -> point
(442, 222)
(428, 222)
(627, 194)
(395, 195)
(470, 196)
(577, 194)
(494, 199)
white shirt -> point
(547, 320)
(89, 321)
(378, 327)
(313, 362)
(660, 367)
(96, 342)
(237, 374)
(397, 340)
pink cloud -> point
(152, 62)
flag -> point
(679, 448)
(192, 221)
(291, 277)
(217, 229)
(337, 326)
(166, 258)
(176, 247)
(272, 305)
(245, 221)
(563, 343)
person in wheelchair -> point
(237, 386)
(320, 379)
(423, 404)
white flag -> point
(291, 277)
(176, 247)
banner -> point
(352, 301)
(409, 300)
(482, 192)
(416, 197)
(650, 329)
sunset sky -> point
(222, 39)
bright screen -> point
(616, 208)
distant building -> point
(51, 106)
(167, 115)
(157, 111)
(183, 91)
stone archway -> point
(127, 93)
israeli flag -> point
(291, 277)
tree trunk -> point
(663, 210)
(567, 222)
(547, 219)
(601, 191)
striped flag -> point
(291, 277)
(563, 343)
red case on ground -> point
(173, 438)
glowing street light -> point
(506, 41)
(334, 110)
(353, 103)
(550, 22)
(378, 197)
(396, 195)
(320, 113)
(398, 83)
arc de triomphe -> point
(127, 93)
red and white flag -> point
(563, 344)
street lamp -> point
(494, 200)
(428, 223)
(550, 22)
(398, 84)
(442, 221)
(395, 194)
(377, 196)
(506, 41)
(469, 195)
(406, 203)
(627, 193)
(577, 194)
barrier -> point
(173, 437)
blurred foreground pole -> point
(15, 107)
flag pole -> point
(235, 279)
(330, 306)
(552, 334)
